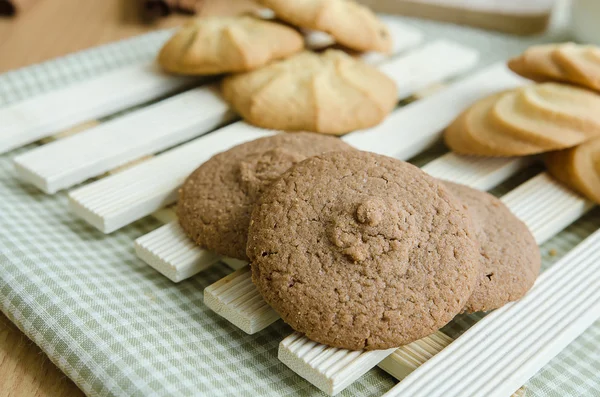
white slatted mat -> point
(420, 135)
(113, 202)
(504, 349)
(66, 162)
(35, 118)
(313, 361)
(69, 161)
(410, 357)
(120, 199)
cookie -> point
(330, 93)
(529, 120)
(351, 24)
(216, 45)
(537, 64)
(362, 251)
(509, 256)
(554, 116)
(473, 133)
(566, 62)
(578, 168)
(581, 63)
(216, 200)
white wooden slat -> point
(479, 173)
(432, 63)
(95, 208)
(234, 263)
(70, 161)
(407, 358)
(504, 349)
(189, 260)
(546, 206)
(544, 221)
(40, 116)
(234, 297)
(67, 162)
(165, 215)
(120, 199)
(428, 117)
(336, 368)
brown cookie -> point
(509, 256)
(216, 45)
(330, 93)
(351, 24)
(362, 251)
(216, 200)
(578, 168)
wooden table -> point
(49, 29)
(52, 28)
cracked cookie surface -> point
(216, 200)
(362, 251)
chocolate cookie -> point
(216, 200)
(362, 251)
(509, 256)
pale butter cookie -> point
(578, 168)
(329, 92)
(567, 62)
(351, 24)
(215, 45)
(529, 120)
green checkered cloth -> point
(118, 328)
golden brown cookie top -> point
(509, 256)
(328, 92)
(215, 45)
(362, 251)
(216, 200)
(351, 24)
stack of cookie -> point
(354, 249)
(561, 113)
(275, 82)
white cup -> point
(585, 21)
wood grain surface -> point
(51, 28)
